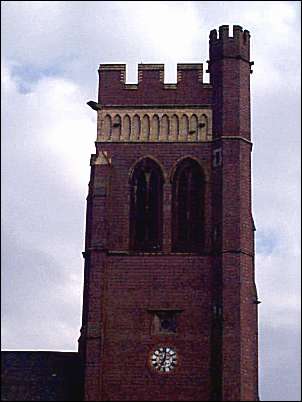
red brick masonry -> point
(216, 338)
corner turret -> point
(230, 68)
(236, 46)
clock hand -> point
(164, 359)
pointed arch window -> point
(187, 207)
(146, 206)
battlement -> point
(189, 88)
(238, 33)
(153, 72)
(224, 45)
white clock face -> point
(164, 359)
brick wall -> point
(151, 89)
(123, 159)
(134, 286)
(217, 329)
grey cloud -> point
(35, 310)
(280, 349)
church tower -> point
(170, 302)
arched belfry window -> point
(187, 207)
(146, 206)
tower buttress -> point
(235, 294)
(91, 339)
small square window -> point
(164, 321)
(167, 321)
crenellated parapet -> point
(151, 72)
(226, 46)
(151, 88)
(225, 102)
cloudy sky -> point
(50, 56)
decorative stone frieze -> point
(152, 125)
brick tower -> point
(170, 302)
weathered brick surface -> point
(124, 157)
(136, 285)
(216, 337)
(229, 69)
(151, 90)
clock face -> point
(164, 359)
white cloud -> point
(54, 120)
(278, 287)
(49, 136)
(175, 38)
